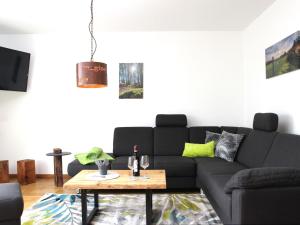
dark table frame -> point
(86, 219)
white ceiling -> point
(39, 16)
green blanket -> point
(92, 155)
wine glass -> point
(130, 162)
(144, 163)
(130, 165)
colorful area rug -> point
(123, 209)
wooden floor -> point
(33, 192)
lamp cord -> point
(91, 29)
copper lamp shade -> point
(91, 74)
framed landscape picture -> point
(131, 79)
(284, 56)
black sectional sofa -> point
(262, 185)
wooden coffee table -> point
(157, 180)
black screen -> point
(14, 66)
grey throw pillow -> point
(228, 145)
(211, 136)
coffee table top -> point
(157, 180)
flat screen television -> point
(14, 67)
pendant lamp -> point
(91, 74)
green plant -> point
(132, 93)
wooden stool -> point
(26, 171)
(4, 174)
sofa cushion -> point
(198, 134)
(176, 166)
(214, 189)
(265, 122)
(170, 140)
(121, 163)
(126, 137)
(209, 166)
(227, 145)
(171, 120)
(255, 147)
(11, 202)
(199, 150)
(212, 136)
(285, 151)
(75, 167)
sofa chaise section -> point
(214, 173)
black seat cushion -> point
(170, 140)
(11, 202)
(214, 189)
(265, 122)
(208, 166)
(255, 147)
(126, 137)
(176, 166)
(75, 167)
(121, 163)
(171, 120)
(285, 151)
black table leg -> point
(86, 219)
(96, 200)
(148, 207)
(83, 207)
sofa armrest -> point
(11, 202)
(277, 205)
(263, 177)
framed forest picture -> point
(131, 79)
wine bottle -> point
(136, 161)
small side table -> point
(58, 171)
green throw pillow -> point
(199, 150)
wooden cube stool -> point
(26, 171)
(4, 171)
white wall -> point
(196, 73)
(280, 94)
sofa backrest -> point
(126, 137)
(170, 134)
(245, 131)
(229, 129)
(256, 145)
(285, 151)
(198, 134)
